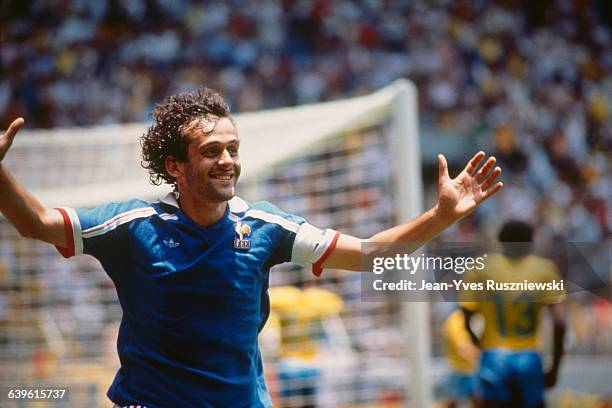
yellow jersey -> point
(512, 315)
(299, 312)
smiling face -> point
(213, 165)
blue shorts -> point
(462, 387)
(297, 378)
(510, 376)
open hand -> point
(460, 196)
(6, 140)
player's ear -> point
(173, 167)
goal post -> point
(409, 204)
(353, 165)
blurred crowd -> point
(528, 80)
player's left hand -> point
(550, 378)
(460, 196)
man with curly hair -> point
(191, 270)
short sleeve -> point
(99, 231)
(298, 241)
(470, 299)
(471, 306)
(312, 246)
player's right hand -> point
(469, 352)
(6, 140)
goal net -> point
(352, 165)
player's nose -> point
(226, 159)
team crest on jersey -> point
(243, 231)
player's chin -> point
(224, 193)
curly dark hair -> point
(167, 137)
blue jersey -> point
(194, 298)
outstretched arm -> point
(457, 198)
(558, 336)
(22, 209)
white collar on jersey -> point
(237, 204)
(171, 199)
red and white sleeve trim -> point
(312, 246)
(317, 267)
(74, 239)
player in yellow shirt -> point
(300, 312)
(511, 373)
(462, 357)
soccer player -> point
(304, 382)
(511, 373)
(191, 270)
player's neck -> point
(202, 212)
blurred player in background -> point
(191, 270)
(511, 373)
(462, 356)
(303, 379)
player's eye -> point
(232, 150)
(211, 152)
